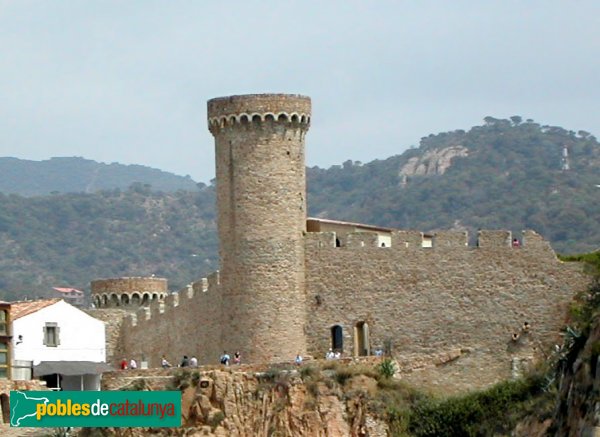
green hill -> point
(70, 239)
(78, 175)
(505, 174)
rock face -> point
(228, 402)
(578, 409)
(432, 162)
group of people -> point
(226, 358)
(185, 362)
(333, 355)
(124, 365)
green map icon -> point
(23, 406)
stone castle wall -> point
(113, 321)
(186, 323)
(451, 307)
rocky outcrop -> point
(432, 162)
(242, 403)
(578, 409)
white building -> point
(65, 345)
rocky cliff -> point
(432, 162)
(241, 401)
(578, 408)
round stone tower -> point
(261, 198)
(128, 293)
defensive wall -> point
(451, 307)
(446, 313)
(113, 320)
(187, 322)
(468, 316)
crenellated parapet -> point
(258, 110)
(414, 240)
(156, 311)
(128, 292)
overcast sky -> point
(127, 81)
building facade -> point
(67, 342)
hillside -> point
(78, 175)
(505, 174)
(71, 239)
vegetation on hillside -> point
(78, 175)
(71, 239)
(511, 179)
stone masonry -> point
(451, 315)
(261, 185)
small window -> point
(51, 331)
(337, 338)
(4, 360)
(3, 325)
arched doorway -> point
(361, 339)
(337, 338)
(4, 400)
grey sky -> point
(127, 81)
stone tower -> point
(261, 197)
(128, 293)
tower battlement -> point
(253, 109)
(129, 292)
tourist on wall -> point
(237, 358)
(225, 358)
(164, 363)
(193, 361)
(124, 364)
(132, 364)
(185, 362)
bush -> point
(342, 375)
(216, 420)
(480, 413)
(386, 368)
(181, 380)
(308, 372)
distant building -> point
(70, 295)
(5, 343)
(62, 344)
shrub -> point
(216, 420)
(308, 372)
(195, 378)
(386, 368)
(180, 381)
(343, 374)
(480, 413)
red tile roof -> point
(23, 308)
(67, 290)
